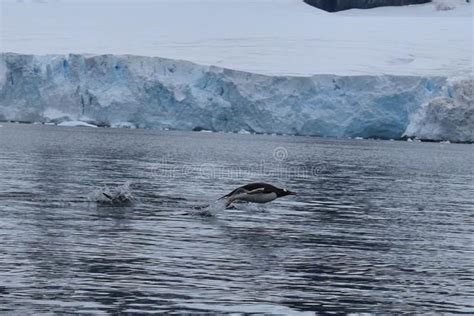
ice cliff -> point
(448, 117)
(163, 93)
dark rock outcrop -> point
(339, 5)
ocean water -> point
(376, 227)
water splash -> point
(119, 196)
(208, 210)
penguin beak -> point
(292, 193)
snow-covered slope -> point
(163, 93)
(276, 37)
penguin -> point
(256, 193)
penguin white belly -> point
(258, 197)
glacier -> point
(448, 117)
(152, 92)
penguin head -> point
(285, 192)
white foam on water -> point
(120, 195)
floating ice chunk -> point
(243, 131)
(123, 125)
(76, 124)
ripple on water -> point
(362, 236)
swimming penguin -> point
(256, 193)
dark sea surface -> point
(377, 226)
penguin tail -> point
(228, 199)
(223, 197)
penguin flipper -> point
(236, 191)
(256, 191)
